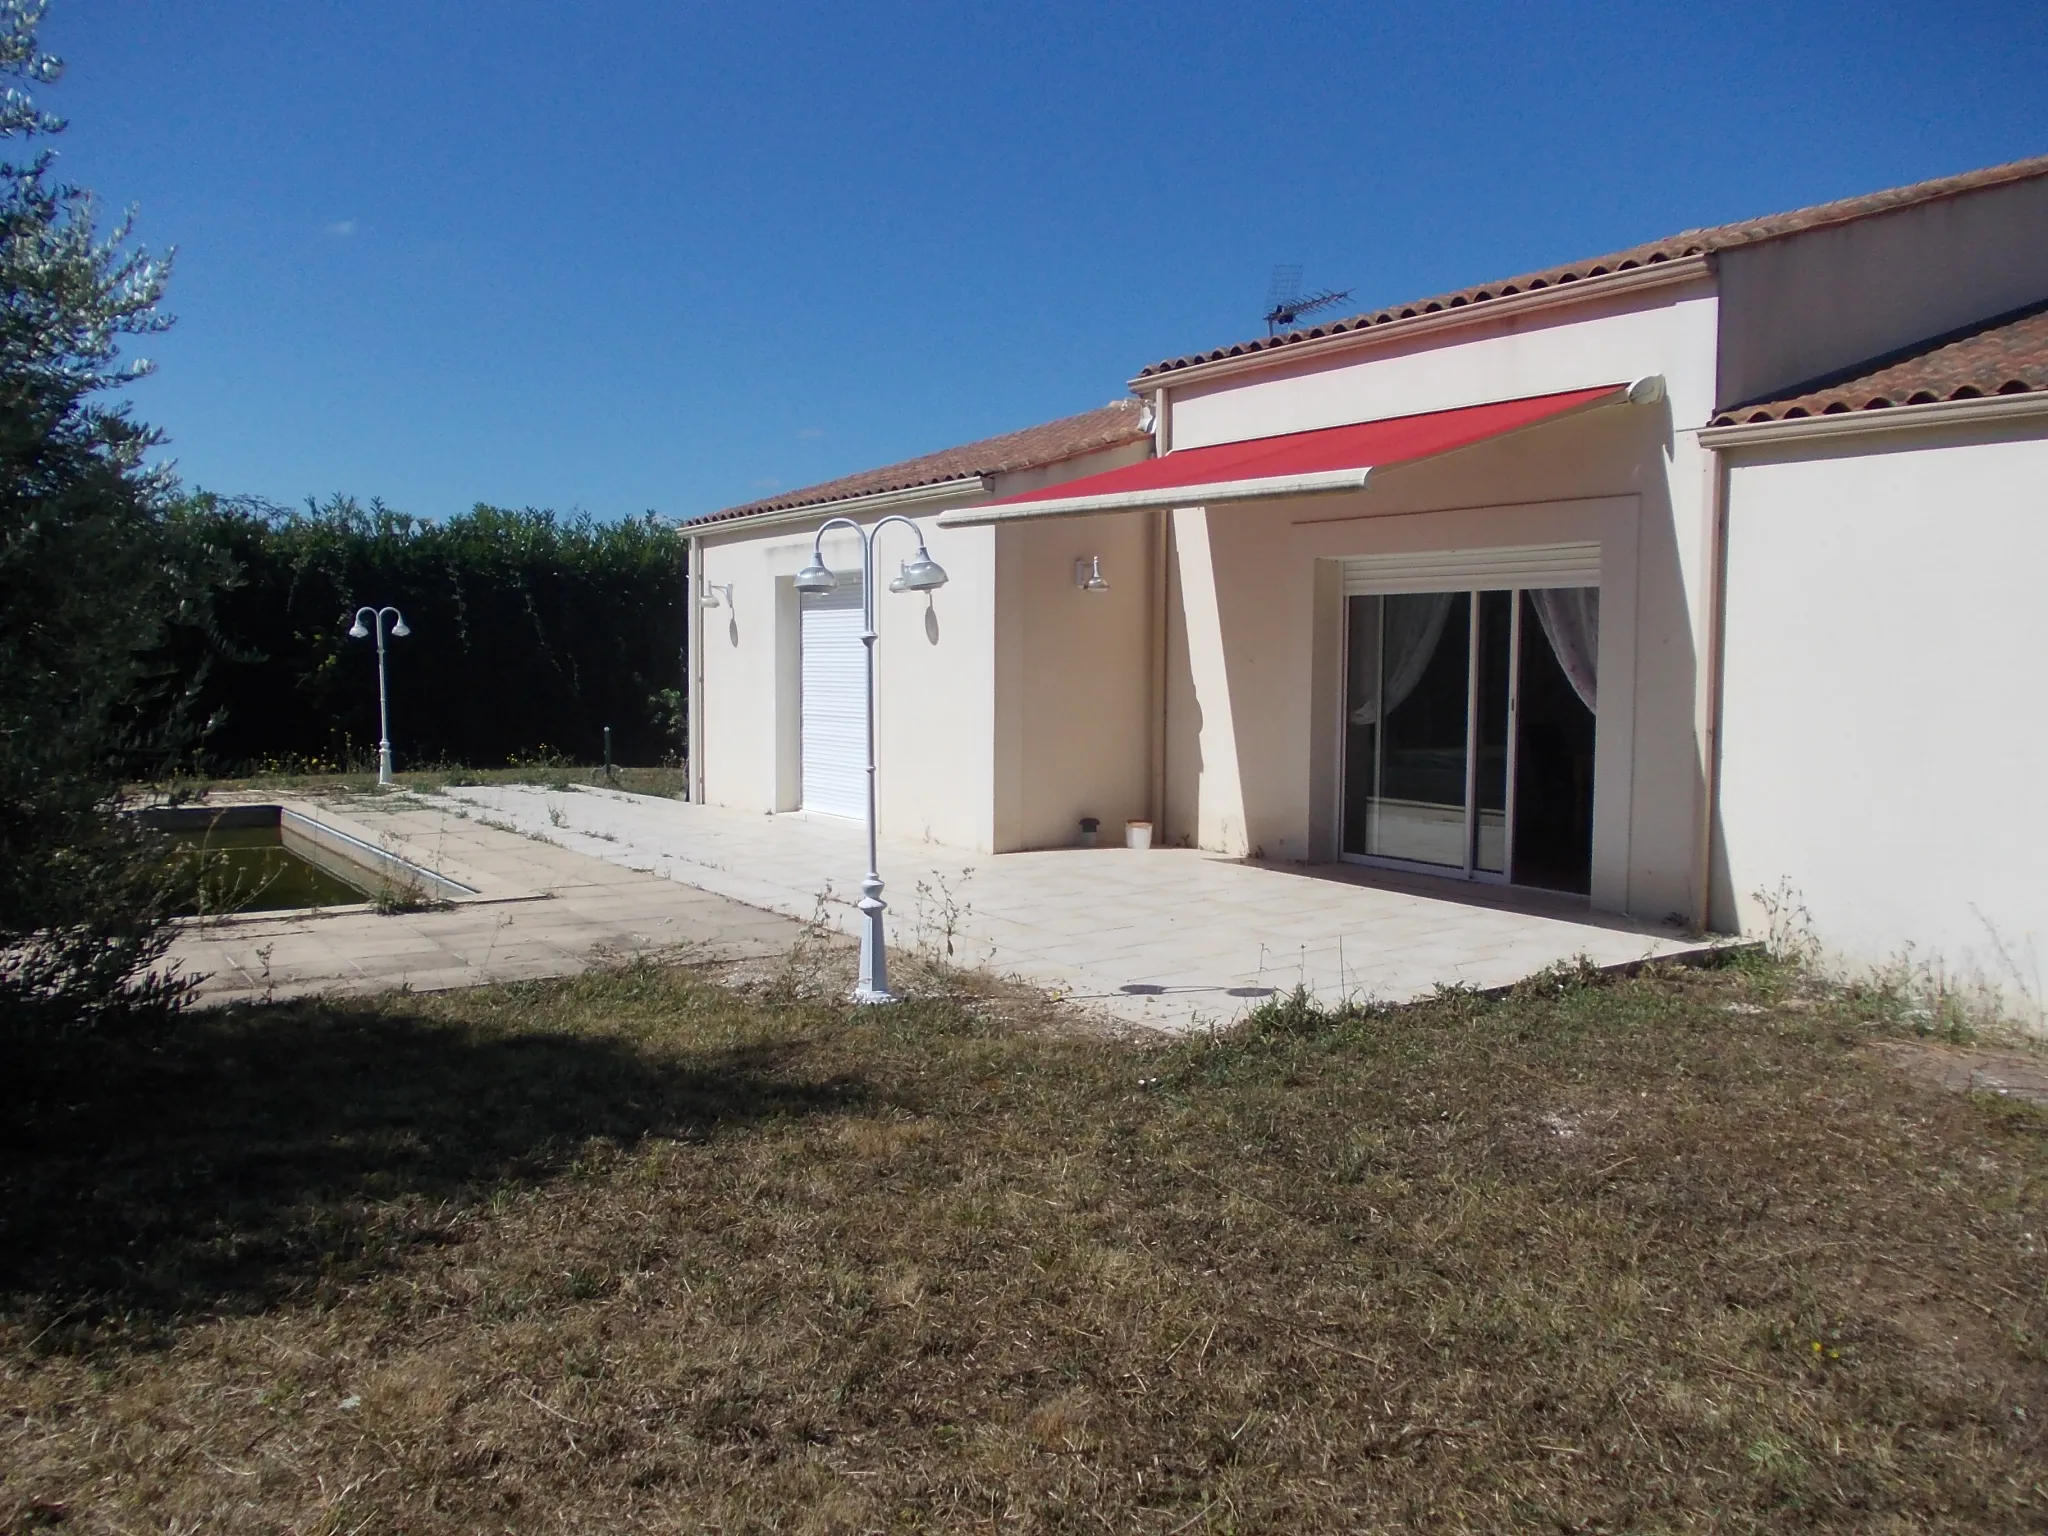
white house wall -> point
(1797, 308)
(941, 729)
(1243, 721)
(1073, 732)
(935, 662)
(1579, 347)
(1884, 741)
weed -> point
(1788, 937)
(811, 958)
(940, 917)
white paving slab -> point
(1171, 938)
(539, 911)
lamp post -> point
(357, 631)
(921, 574)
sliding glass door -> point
(1468, 732)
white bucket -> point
(1138, 834)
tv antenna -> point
(1286, 303)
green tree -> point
(92, 581)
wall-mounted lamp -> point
(709, 596)
(1088, 574)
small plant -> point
(804, 968)
(940, 915)
(395, 896)
(1788, 926)
(1566, 976)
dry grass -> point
(635, 1252)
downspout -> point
(1714, 574)
(693, 705)
(1162, 552)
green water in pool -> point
(249, 869)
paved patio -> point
(539, 911)
(1172, 938)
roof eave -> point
(1888, 418)
(960, 491)
(1677, 271)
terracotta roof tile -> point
(2005, 355)
(1691, 242)
(1108, 427)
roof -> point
(2005, 355)
(1691, 242)
(1111, 426)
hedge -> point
(530, 634)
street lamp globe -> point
(815, 577)
(924, 574)
(401, 629)
(357, 632)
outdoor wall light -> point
(709, 597)
(1088, 574)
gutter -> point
(1890, 418)
(1664, 274)
(693, 675)
(1708, 717)
(910, 498)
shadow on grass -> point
(262, 1153)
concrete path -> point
(1172, 938)
(540, 910)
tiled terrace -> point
(1171, 938)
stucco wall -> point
(1580, 347)
(1073, 715)
(934, 669)
(1797, 308)
(938, 739)
(1243, 720)
(1884, 738)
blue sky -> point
(619, 256)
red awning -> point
(1295, 464)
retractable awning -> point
(1294, 464)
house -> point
(1697, 571)
(979, 687)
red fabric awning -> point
(1295, 464)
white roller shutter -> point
(1475, 570)
(835, 701)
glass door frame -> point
(1470, 870)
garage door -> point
(835, 701)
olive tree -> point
(92, 579)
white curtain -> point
(1411, 631)
(1570, 617)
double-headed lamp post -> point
(359, 631)
(919, 574)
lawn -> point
(639, 1251)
